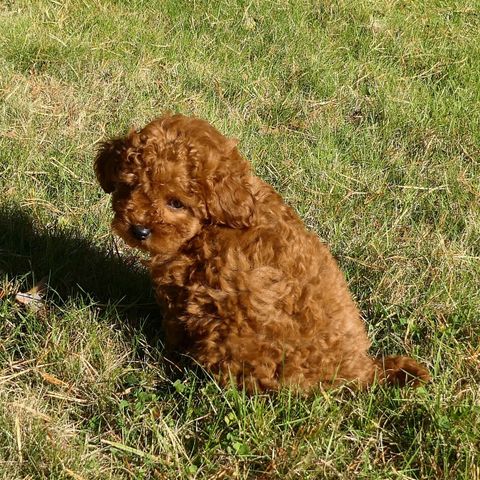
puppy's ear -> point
(231, 200)
(232, 203)
(108, 163)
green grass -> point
(364, 115)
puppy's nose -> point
(140, 232)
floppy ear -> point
(230, 198)
(107, 164)
(117, 160)
(231, 201)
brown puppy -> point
(246, 289)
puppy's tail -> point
(401, 371)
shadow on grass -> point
(81, 272)
(75, 268)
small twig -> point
(58, 396)
(19, 438)
(414, 187)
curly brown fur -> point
(247, 290)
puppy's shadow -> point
(75, 269)
(79, 271)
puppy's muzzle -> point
(140, 232)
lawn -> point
(364, 115)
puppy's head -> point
(170, 180)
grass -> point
(364, 115)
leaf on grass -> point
(28, 298)
(241, 448)
(179, 386)
(33, 299)
(52, 379)
(40, 288)
(73, 474)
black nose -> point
(140, 232)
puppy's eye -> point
(175, 203)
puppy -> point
(245, 288)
